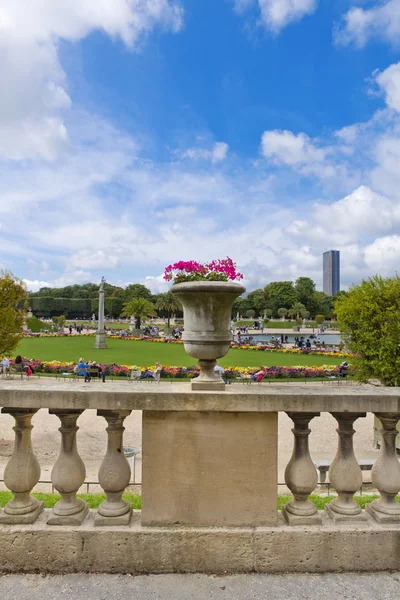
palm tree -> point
(140, 308)
(297, 308)
(169, 303)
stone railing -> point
(209, 482)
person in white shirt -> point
(5, 366)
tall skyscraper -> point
(331, 275)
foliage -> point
(140, 308)
(369, 317)
(251, 314)
(256, 301)
(216, 270)
(319, 319)
(282, 312)
(136, 290)
(168, 303)
(60, 321)
(296, 310)
(305, 288)
(12, 300)
(279, 294)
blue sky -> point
(134, 133)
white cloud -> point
(383, 251)
(36, 284)
(389, 82)
(35, 98)
(363, 212)
(276, 14)
(284, 147)
(382, 21)
(88, 258)
(216, 154)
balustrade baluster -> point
(68, 473)
(115, 472)
(301, 475)
(386, 473)
(345, 474)
(22, 471)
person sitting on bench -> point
(95, 370)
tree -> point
(60, 321)
(297, 309)
(241, 305)
(140, 308)
(268, 313)
(305, 314)
(136, 290)
(169, 303)
(257, 301)
(319, 319)
(12, 299)
(282, 312)
(323, 304)
(279, 294)
(305, 288)
(251, 314)
(369, 318)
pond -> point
(329, 338)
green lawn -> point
(147, 353)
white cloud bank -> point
(381, 21)
(34, 96)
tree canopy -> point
(369, 318)
(12, 299)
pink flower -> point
(216, 270)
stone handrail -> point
(209, 473)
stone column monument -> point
(100, 334)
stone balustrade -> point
(209, 482)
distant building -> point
(331, 265)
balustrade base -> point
(75, 519)
(382, 518)
(295, 520)
(120, 520)
(211, 386)
(7, 519)
(341, 518)
(139, 550)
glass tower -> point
(331, 275)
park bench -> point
(323, 467)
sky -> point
(136, 133)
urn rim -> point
(209, 286)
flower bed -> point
(179, 372)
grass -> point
(94, 500)
(133, 352)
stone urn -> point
(207, 309)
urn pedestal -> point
(207, 308)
